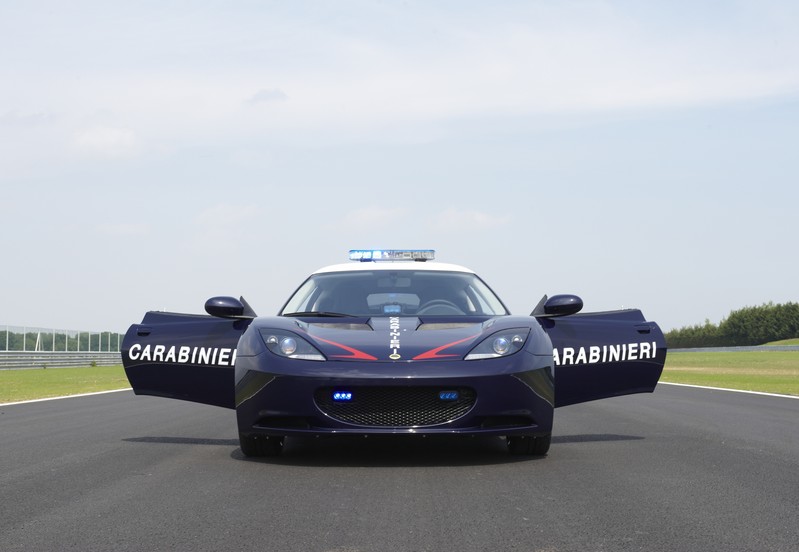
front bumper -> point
(509, 396)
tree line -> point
(746, 326)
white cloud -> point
(32, 119)
(103, 141)
(398, 75)
(125, 229)
(223, 216)
(268, 95)
(222, 226)
(375, 84)
(365, 217)
(454, 219)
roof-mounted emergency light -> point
(366, 255)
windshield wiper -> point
(324, 314)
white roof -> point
(431, 266)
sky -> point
(155, 154)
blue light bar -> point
(366, 255)
(342, 396)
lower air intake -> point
(396, 406)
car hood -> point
(397, 338)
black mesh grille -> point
(396, 406)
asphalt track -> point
(681, 470)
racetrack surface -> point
(682, 469)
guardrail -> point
(57, 359)
(25, 338)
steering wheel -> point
(439, 306)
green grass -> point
(794, 341)
(21, 385)
(767, 371)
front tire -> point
(529, 445)
(258, 446)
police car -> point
(394, 343)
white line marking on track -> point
(732, 390)
(67, 397)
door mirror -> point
(558, 305)
(224, 307)
(563, 305)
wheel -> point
(260, 445)
(529, 445)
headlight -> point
(289, 345)
(500, 344)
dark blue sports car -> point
(394, 344)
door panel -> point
(182, 356)
(604, 354)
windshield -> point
(394, 293)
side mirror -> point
(558, 305)
(228, 307)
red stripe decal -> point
(433, 353)
(355, 353)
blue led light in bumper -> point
(342, 396)
(449, 395)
